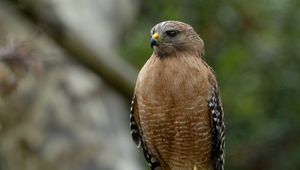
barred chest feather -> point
(173, 112)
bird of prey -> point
(176, 114)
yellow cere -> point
(155, 36)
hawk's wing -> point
(137, 135)
(218, 129)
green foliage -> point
(254, 48)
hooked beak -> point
(154, 40)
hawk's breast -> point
(173, 112)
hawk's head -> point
(169, 38)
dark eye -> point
(171, 33)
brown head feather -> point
(186, 39)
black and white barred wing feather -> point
(134, 129)
(218, 129)
(137, 136)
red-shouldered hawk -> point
(176, 113)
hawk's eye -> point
(171, 33)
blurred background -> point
(68, 68)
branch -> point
(117, 73)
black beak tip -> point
(153, 42)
